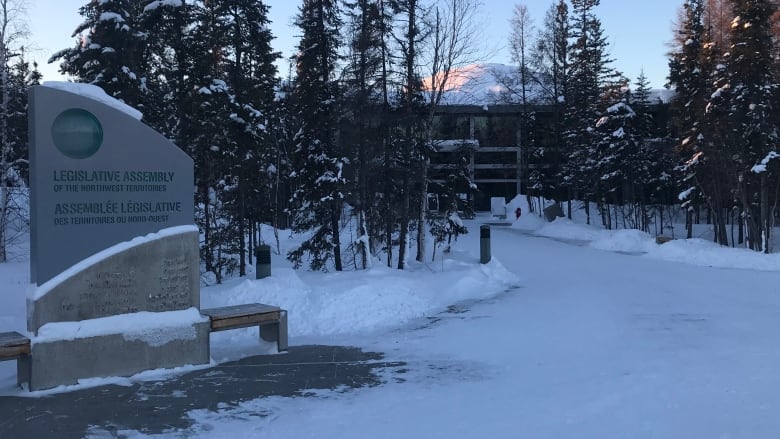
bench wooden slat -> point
(239, 310)
(13, 344)
(218, 324)
(9, 352)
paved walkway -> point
(159, 406)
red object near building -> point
(518, 212)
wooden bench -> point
(271, 320)
(15, 346)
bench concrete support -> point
(276, 332)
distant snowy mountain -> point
(492, 84)
(480, 84)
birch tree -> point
(453, 44)
(13, 29)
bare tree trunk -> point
(404, 220)
(455, 36)
(408, 147)
(423, 210)
(765, 221)
(388, 186)
(5, 146)
(242, 231)
(252, 242)
(689, 222)
(334, 224)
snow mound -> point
(627, 240)
(564, 228)
(363, 302)
(709, 254)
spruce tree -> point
(108, 50)
(363, 80)
(649, 165)
(588, 64)
(640, 101)
(209, 138)
(750, 97)
(247, 60)
(691, 79)
(550, 62)
(688, 77)
(319, 169)
(170, 55)
(409, 142)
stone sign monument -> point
(112, 237)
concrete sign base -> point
(64, 362)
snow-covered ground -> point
(570, 332)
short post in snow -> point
(484, 244)
(262, 261)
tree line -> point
(725, 72)
(339, 150)
(723, 68)
(17, 74)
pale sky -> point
(637, 30)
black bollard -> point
(484, 244)
(262, 261)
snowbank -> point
(364, 301)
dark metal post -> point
(262, 261)
(484, 244)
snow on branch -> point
(160, 3)
(685, 194)
(761, 167)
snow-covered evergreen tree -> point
(22, 74)
(690, 79)
(589, 70)
(364, 77)
(640, 101)
(319, 167)
(247, 59)
(750, 98)
(207, 136)
(549, 59)
(108, 50)
(410, 139)
(170, 56)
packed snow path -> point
(594, 344)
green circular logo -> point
(77, 133)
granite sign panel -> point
(98, 177)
